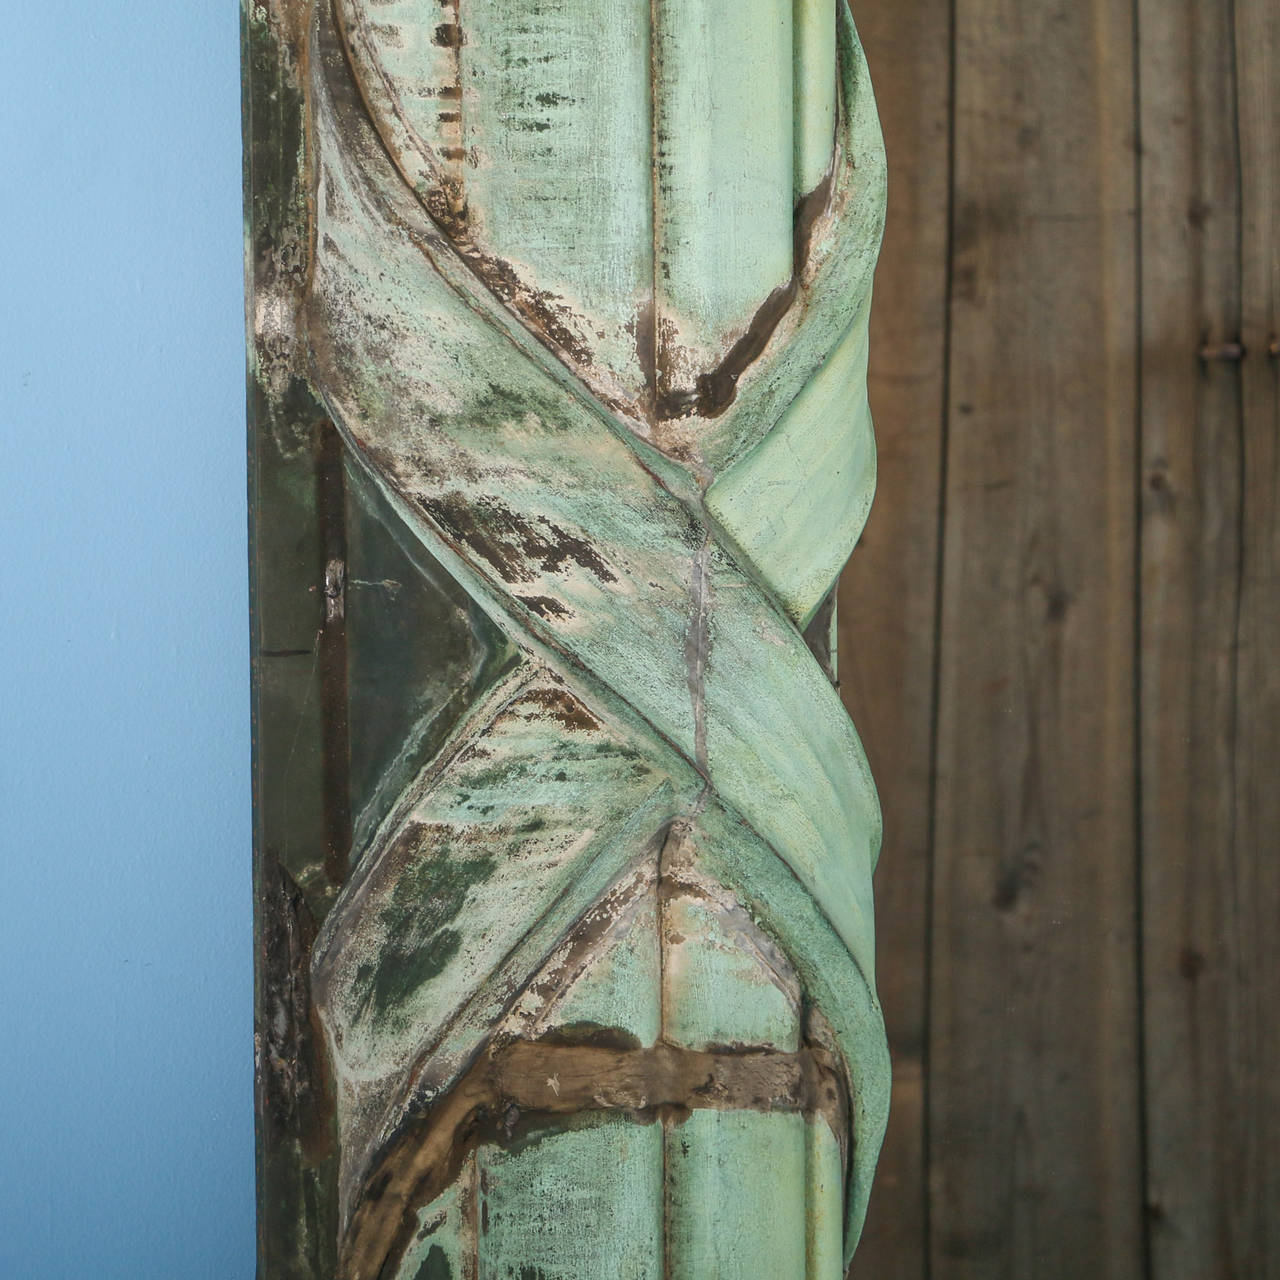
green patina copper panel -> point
(559, 441)
(555, 144)
(723, 176)
(796, 503)
(726, 1220)
(813, 91)
(583, 1202)
(724, 983)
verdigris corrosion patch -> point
(564, 840)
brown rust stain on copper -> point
(512, 543)
(514, 1090)
(545, 606)
(563, 707)
(716, 390)
(294, 1099)
(543, 312)
(645, 332)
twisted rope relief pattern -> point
(588, 302)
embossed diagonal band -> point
(587, 300)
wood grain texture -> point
(1034, 1132)
(1113, 438)
(1254, 1029)
(1210, 632)
(1190, 584)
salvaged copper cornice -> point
(560, 330)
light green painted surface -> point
(557, 178)
(796, 504)
(726, 1220)
(662, 627)
(620, 988)
(604, 1201)
(718, 987)
(585, 1204)
(574, 1206)
(724, 172)
(846, 243)
(824, 1252)
(814, 91)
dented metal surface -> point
(593, 343)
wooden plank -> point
(1190, 579)
(1254, 1028)
(887, 593)
(1210, 626)
(1034, 1137)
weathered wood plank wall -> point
(1060, 638)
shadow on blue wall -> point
(126, 1132)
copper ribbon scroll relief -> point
(565, 840)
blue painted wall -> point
(126, 1131)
